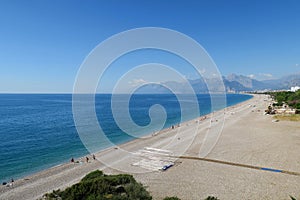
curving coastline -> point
(248, 137)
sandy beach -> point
(249, 141)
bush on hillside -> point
(171, 198)
(96, 185)
(211, 198)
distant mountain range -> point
(249, 84)
(232, 83)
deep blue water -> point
(37, 131)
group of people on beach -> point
(203, 118)
(174, 126)
(86, 159)
(11, 184)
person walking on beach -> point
(94, 157)
(72, 160)
(12, 182)
(87, 159)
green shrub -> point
(96, 185)
(93, 175)
(211, 198)
(171, 198)
(291, 98)
(293, 198)
(137, 191)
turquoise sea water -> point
(37, 131)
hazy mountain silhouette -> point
(232, 83)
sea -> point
(37, 131)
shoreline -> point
(68, 165)
(43, 174)
(228, 148)
(147, 135)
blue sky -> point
(44, 42)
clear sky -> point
(44, 42)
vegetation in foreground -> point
(97, 185)
(171, 198)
